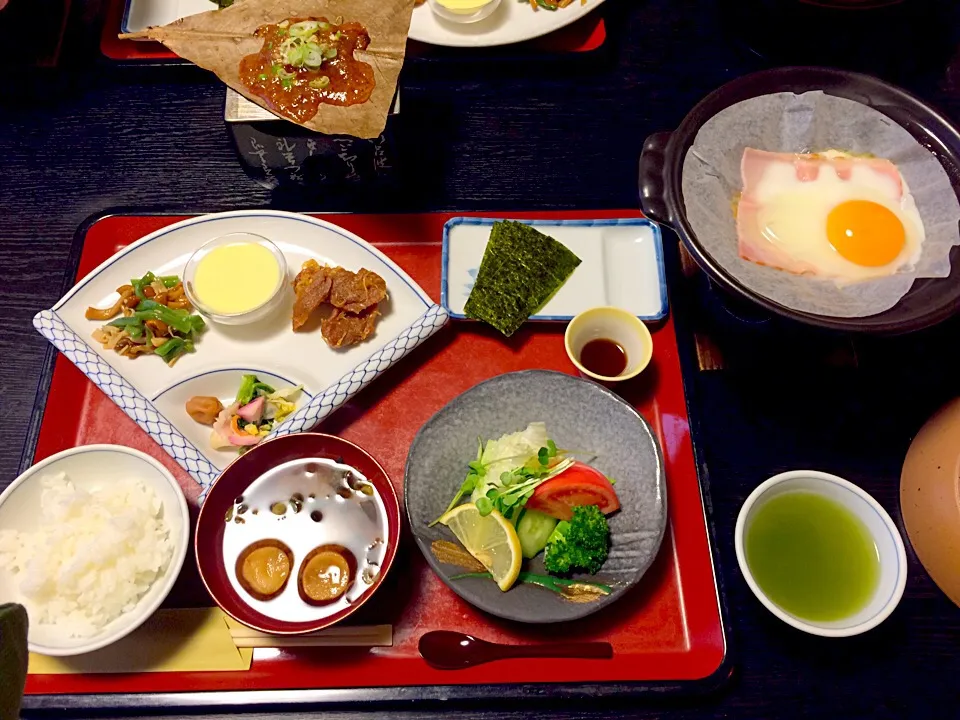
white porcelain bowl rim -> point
(142, 611)
(901, 580)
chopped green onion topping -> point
(314, 55)
(320, 83)
(298, 55)
(281, 73)
(305, 28)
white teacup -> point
(893, 558)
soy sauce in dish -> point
(604, 357)
(308, 506)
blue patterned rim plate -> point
(153, 394)
(621, 265)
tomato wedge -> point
(579, 484)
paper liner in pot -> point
(813, 122)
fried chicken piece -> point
(308, 271)
(354, 296)
(355, 292)
(343, 329)
(312, 288)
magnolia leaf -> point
(218, 40)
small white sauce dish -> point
(88, 467)
(249, 315)
(889, 544)
(463, 11)
(610, 323)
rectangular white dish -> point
(621, 265)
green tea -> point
(812, 556)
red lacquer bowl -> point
(238, 476)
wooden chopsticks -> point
(346, 636)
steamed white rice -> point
(93, 555)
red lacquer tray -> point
(667, 634)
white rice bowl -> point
(91, 541)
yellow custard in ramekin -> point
(463, 11)
(236, 278)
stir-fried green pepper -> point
(125, 322)
(184, 326)
(174, 348)
(140, 283)
(180, 320)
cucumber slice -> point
(534, 529)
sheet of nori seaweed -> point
(521, 269)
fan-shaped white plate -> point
(512, 21)
(154, 395)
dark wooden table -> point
(523, 135)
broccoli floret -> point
(580, 544)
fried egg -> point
(829, 215)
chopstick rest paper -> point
(183, 640)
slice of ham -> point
(751, 243)
(754, 163)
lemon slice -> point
(491, 539)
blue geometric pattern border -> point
(323, 404)
(143, 412)
(135, 405)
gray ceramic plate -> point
(578, 414)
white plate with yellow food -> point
(92, 540)
(487, 23)
(262, 358)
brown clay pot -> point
(930, 497)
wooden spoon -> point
(448, 650)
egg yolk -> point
(866, 233)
